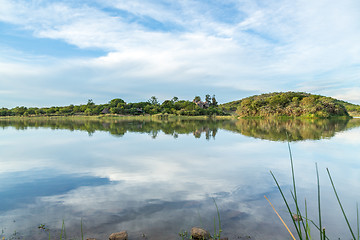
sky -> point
(66, 52)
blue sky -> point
(66, 52)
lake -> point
(158, 178)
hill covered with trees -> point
(289, 104)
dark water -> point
(156, 179)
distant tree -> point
(115, 102)
(167, 106)
(19, 110)
(66, 110)
(214, 103)
(207, 98)
(39, 111)
(97, 110)
(175, 99)
(197, 99)
(88, 111)
(90, 102)
(5, 112)
(30, 111)
(153, 101)
(51, 110)
(76, 109)
(82, 108)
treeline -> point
(120, 107)
(291, 104)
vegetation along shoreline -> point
(277, 104)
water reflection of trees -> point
(270, 129)
(121, 127)
(292, 129)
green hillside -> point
(353, 109)
(290, 104)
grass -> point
(303, 228)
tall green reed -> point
(303, 229)
(217, 234)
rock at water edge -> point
(199, 234)
(119, 236)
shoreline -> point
(120, 117)
(165, 117)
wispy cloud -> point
(248, 46)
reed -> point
(342, 209)
(63, 231)
(217, 234)
(303, 229)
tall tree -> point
(207, 98)
(197, 99)
(214, 103)
(90, 102)
(153, 100)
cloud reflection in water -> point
(162, 186)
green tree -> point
(153, 101)
(115, 102)
(90, 102)
(51, 110)
(214, 103)
(175, 99)
(19, 110)
(39, 111)
(5, 112)
(167, 105)
(207, 98)
(197, 99)
(88, 111)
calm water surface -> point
(156, 179)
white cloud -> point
(273, 46)
(351, 95)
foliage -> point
(120, 107)
(291, 104)
(230, 107)
(353, 109)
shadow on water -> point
(269, 129)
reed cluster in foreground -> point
(301, 221)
